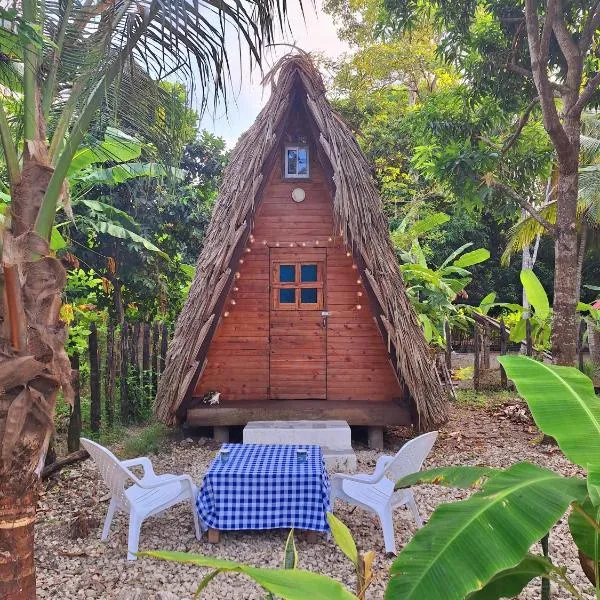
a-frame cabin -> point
(298, 309)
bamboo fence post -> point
(95, 406)
(476, 364)
(164, 343)
(155, 339)
(124, 373)
(528, 340)
(135, 396)
(503, 378)
(110, 375)
(485, 358)
(74, 431)
(146, 374)
(580, 334)
(448, 335)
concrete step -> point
(331, 434)
(334, 437)
(339, 461)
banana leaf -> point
(536, 294)
(585, 535)
(563, 404)
(291, 584)
(456, 477)
(465, 544)
(510, 583)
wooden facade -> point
(324, 344)
(298, 309)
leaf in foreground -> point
(510, 583)
(563, 404)
(457, 477)
(466, 543)
(290, 584)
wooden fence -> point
(124, 368)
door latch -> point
(325, 314)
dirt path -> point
(86, 568)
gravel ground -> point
(87, 568)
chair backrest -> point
(411, 456)
(114, 474)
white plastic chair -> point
(375, 493)
(145, 497)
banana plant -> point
(433, 291)
(479, 548)
(288, 582)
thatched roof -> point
(358, 216)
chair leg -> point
(387, 526)
(196, 520)
(415, 511)
(109, 517)
(133, 539)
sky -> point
(314, 33)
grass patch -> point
(147, 440)
(485, 399)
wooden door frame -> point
(323, 262)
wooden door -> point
(298, 328)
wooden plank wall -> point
(357, 366)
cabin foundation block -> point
(221, 434)
(375, 438)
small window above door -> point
(296, 161)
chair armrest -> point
(185, 480)
(382, 463)
(143, 462)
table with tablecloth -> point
(265, 486)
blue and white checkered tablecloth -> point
(264, 486)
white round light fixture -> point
(298, 195)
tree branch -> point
(525, 205)
(592, 24)
(584, 98)
(519, 70)
(539, 50)
(520, 124)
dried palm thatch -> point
(358, 217)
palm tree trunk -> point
(17, 568)
(33, 367)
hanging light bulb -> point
(277, 244)
(359, 294)
(248, 250)
(226, 313)
(237, 275)
(317, 242)
(241, 261)
(291, 244)
(264, 242)
(359, 281)
(330, 239)
(233, 302)
(235, 289)
(358, 307)
(354, 266)
(348, 254)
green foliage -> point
(485, 539)
(291, 584)
(147, 440)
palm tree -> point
(65, 64)
(527, 230)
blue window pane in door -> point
(302, 161)
(308, 295)
(308, 273)
(287, 273)
(287, 296)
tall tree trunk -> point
(17, 567)
(34, 366)
(593, 332)
(564, 322)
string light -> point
(233, 302)
(251, 238)
(359, 281)
(241, 261)
(237, 275)
(330, 239)
(226, 313)
(248, 250)
(291, 244)
(277, 244)
(354, 266)
(317, 242)
(359, 294)
(264, 242)
(358, 307)
(348, 254)
(303, 244)
(235, 289)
